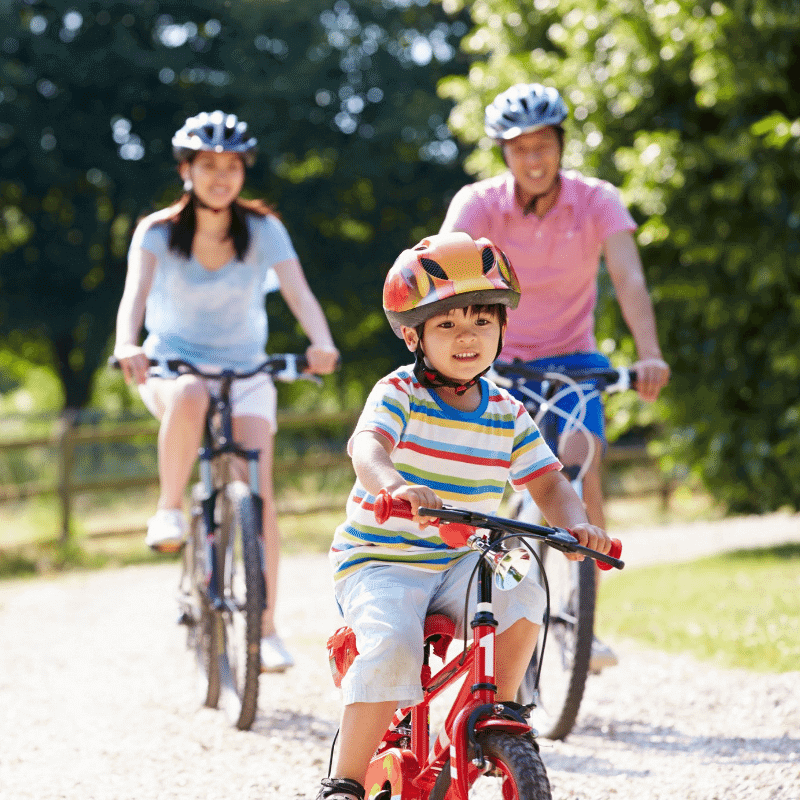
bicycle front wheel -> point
(514, 771)
(568, 648)
(240, 561)
(196, 611)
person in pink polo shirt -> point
(555, 226)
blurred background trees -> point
(686, 105)
(354, 153)
(691, 108)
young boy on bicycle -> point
(431, 433)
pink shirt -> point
(556, 258)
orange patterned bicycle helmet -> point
(444, 271)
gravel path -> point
(96, 700)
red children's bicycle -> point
(485, 748)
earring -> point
(187, 185)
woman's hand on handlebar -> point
(322, 360)
(418, 496)
(589, 536)
(133, 362)
(652, 375)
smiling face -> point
(217, 178)
(534, 160)
(460, 343)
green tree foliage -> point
(690, 108)
(354, 152)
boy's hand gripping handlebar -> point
(453, 534)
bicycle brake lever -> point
(561, 539)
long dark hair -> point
(183, 224)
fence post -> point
(65, 442)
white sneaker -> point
(602, 656)
(166, 530)
(274, 655)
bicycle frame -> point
(222, 587)
(474, 709)
(216, 468)
(556, 683)
(555, 386)
(216, 459)
(405, 759)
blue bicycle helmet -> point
(216, 132)
(524, 108)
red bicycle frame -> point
(408, 764)
(414, 762)
(405, 766)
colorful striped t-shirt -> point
(465, 457)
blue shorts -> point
(595, 418)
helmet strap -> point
(431, 378)
(530, 208)
(188, 187)
(201, 204)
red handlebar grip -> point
(387, 506)
(614, 552)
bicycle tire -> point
(568, 649)
(201, 636)
(517, 771)
(241, 564)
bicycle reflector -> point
(342, 652)
(455, 534)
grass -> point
(30, 543)
(738, 609)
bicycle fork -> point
(214, 580)
(479, 709)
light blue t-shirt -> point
(210, 317)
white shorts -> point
(250, 397)
(386, 606)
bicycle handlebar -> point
(611, 380)
(283, 366)
(457, 526)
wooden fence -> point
(66, 436)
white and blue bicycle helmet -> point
(216, 132)
(524, 108)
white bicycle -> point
(555, 684)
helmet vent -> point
(432, 268)
(487, 256)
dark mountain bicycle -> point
(555, 681)
(485, 748)
(222, 591)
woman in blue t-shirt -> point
(198, 273)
